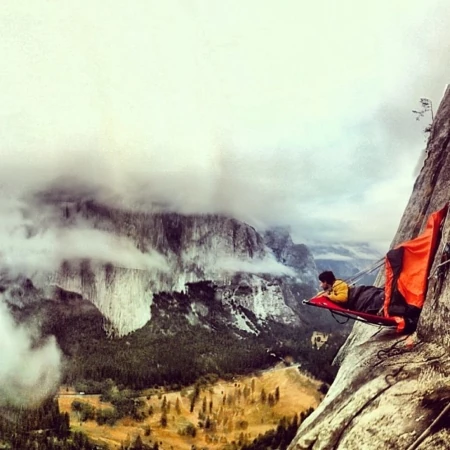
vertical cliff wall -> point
(185, 249)
(392, 391)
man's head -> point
(327, 279)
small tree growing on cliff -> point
(426, 106)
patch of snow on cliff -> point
(192, 317)
(266, 301)
(242, 322)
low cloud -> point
(34, 240)
(333, 257)
(268, 265)
(103, 247)
(28, 373)
(224, 109)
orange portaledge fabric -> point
(416, 262)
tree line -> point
(279, 438)
(43, 428)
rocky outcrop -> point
(296, 256)
(164, 252)
(391, 391)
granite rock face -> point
(153, 252)
(390, 390)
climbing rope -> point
(394, 350)
(358, 276)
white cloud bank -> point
(275, 113)
(28, 374)
(268, 265)
(33, 241)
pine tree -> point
(263, 396)
(163, 420)
(64, 426)
(195, 396)
(138, 444)
(294, 422)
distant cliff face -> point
(296, 256)
(176, 250)
(392, 393)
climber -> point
(334, 289)
(368, 299)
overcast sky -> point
(290, 112)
